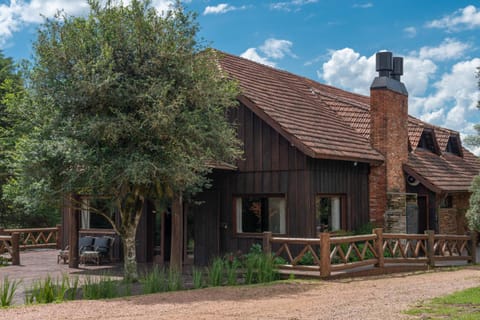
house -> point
(318, 158)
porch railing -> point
(9, 247)
(36, 238)
(327, 254)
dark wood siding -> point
(272, 166)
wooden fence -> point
(327, 254)
(36, 238)
(9, 245)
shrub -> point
(174, 280)
(259, 267)
(104, 288)
(231, 267)
(7, 291)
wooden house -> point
(320, 158)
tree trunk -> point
(130, 256)
(176, 252)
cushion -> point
(102, 244)
(85, 244)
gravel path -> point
(362, 298)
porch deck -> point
(37, 264)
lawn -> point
(463, 305)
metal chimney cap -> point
(397, 68)
(384, 63)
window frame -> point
(343, 211)
(257, 195)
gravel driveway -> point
(361, 298)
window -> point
(255, 214)
(427, 141)
(91, 220)
(329, 211)
(453, 145)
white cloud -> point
(18, 13)
(363, 5)
(252, 54)
(410, 32)
(277, 48)
(448, 49)
(221, 9)
(466, 18)
(293, 5)
(271, 49)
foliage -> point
(104, 288)
(7, 291)
(366, 228)
(215, 272)
(174, 281)
(154, 281)
(463, 304)
(259, 267)
(232, 264)
(51, 290)
(129, 107)
(197, 278)
(307, 259)
(473, 213)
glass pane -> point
(252, 214)
(335, 213)
(276, 215)
(328, 213)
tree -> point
(473, 212)
(136, 109)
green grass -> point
(462, 305)
(7, 291)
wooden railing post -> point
(379, 247)
(473, 246)
(430, 247)
(59, 236)
(325, 254)
(267, 244)
(15, 249)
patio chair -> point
(84, 244)
(102, 249)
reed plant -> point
(104, 288)
(174, 282)
(7, 291)
(154, 281)
(215, 272)
(197, 278)
(231, 268)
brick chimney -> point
(388, 133)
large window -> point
(91, 220)
(329, 212)
(255, 214)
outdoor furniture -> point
(63, 255)
(84, 244)
(99, 250)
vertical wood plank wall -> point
(271, 165)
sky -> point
(329, 41)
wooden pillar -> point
(430, 247)
(473, 246)
(267, 244)
(59, 236)
(176, 252)
(324, 254)
(15, 248)
(379, 247)
(73, 231)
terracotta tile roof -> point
(327, 122)
(289, 102)
(447, 173)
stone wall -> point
(396, 212)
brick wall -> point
(452, 220)
(388, 135)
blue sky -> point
(332, 42)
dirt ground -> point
(360, 298)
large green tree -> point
(473, 212)
(136, 109)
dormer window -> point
(453, 146)
(427, 141)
